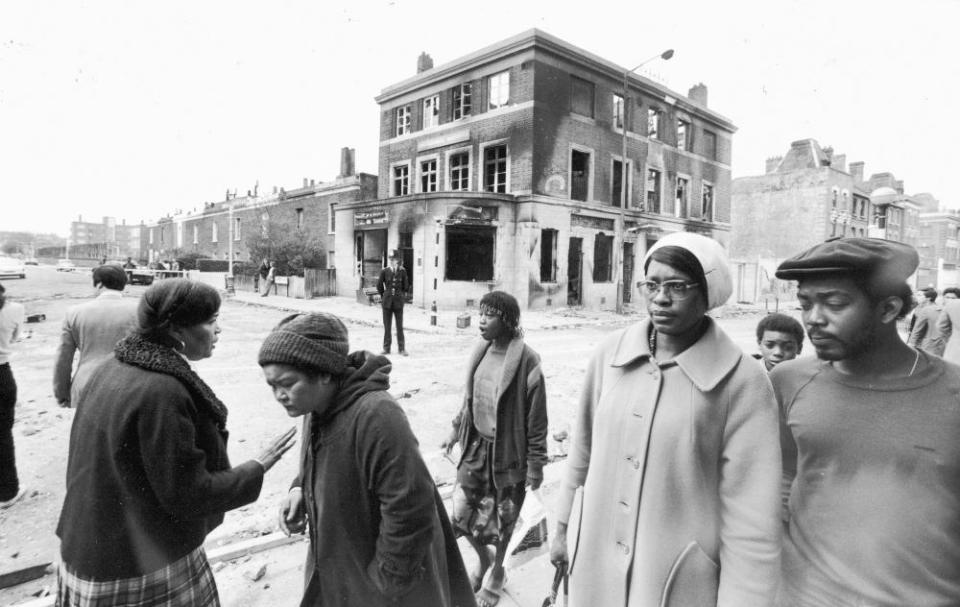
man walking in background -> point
(392, 287)
(869, 439)
(924, 334)
(93, 328)
(268, 279)
(11, 320)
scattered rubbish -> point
(256, 576)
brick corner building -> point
(503, 170)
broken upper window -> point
(495, 168)
(401, 180)
(683, 196)
(462, 104)
(653, 191)
(706, 202)
(460, 171)
(469, 252)
(581, 96)
(428, 175)
(617, 111)
(403, 120)
(498, 90)
(710, 145)
(431, 112)
(683, 135)
(653, 123)
(616, 187)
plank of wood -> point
(23, 574)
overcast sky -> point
(135, 109)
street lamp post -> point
(625, 177)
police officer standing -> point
(392, 286)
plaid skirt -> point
(480, 508)
(187, 582)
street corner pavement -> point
(418, 319)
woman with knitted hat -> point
(502, 427)
(676, 450)
(148, 475)
(379, 534)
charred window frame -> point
(681, 206)
(618, 111)
(581, 165)
(653, 190)
(470, 252)
(602, 254)
(706, 202)
(653, 123)
(495, 162)
(548, 255)
(431, 112)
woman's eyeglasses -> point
(674, 289)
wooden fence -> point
(314, 283)
(319, 283)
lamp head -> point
(667, 54)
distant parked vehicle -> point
(139, 276)
(31, 261)
(11, 267)
(65, 265)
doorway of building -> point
(627, 272)
(406, 259)
(575, 272)
(371, 250)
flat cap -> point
(881, 262)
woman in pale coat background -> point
(676, 447)
(948, 336)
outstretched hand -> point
(277, 447)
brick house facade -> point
(502, 169)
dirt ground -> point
(427, 384)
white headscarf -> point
(712, 258)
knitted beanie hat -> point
(317, 341)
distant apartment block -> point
(105, 238)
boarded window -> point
(469, 252)
(710, 145)
(602, 251)
(548, 256)
(581, 96)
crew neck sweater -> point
(874, 504)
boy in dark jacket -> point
(379, 534)
(502, 428)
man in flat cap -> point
(869, 439)
(93, 328)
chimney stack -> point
(305, 181)
(424, 62)
(698, 94)
(772, 163)
(856, 171)
(347, 161)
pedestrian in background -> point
(148, 475)
(392, 285)
(948, 340)
(93, 329)
(675, 447)
(262, 272)
(869, 437)
(780, 338)
(11, 320)
(267, 283)
(502, 429)
(379, 533)
(924, 333)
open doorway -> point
(371, 252)
(627, 272)
(575, 272)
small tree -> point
(292, 249)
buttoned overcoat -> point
(680, 467)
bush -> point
(189, 261)
(213, 265)
(291, 249)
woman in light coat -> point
(676, 449)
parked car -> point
(139, 276)
(65, 265)
(12, 268)
(31, 261)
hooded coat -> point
(379, 534)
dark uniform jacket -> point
(393, 286)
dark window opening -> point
(602, 251)
(579, 174)
(653, 191)
(616, 189)
(469, 251)
(548, 256)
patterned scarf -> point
(136, 351)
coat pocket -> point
(693, 580)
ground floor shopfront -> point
(456, 246)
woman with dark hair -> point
(676, 449)
(148, 475)
(502, 427)
(11, 319)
